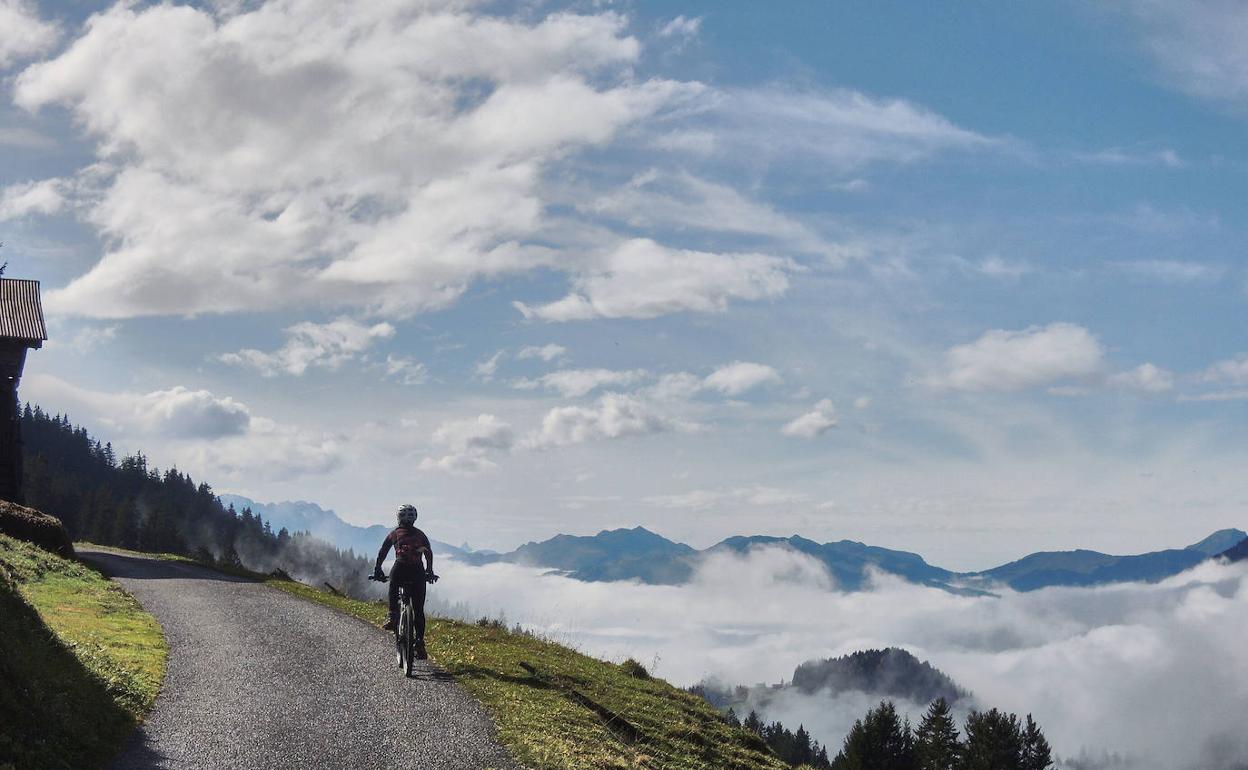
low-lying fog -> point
(1156, 673)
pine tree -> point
(878, 741)
(936, 744)
(1036, 752)
(753, 723)
(994, 741)
(731, 717)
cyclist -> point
(409, 544)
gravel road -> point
(261, 680)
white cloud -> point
(1014, 360)
(43, 197)
(682, 27)
(22, 33)
(1145, 378)
(548, 352)
(613, 416)
(470, 445)
(326, 346)
(174, 413)
(740, 376)
(1090, 664)
(193, 414)
(407, 371)
(644, 279)
(681, 200)
(486, 369)
(1232, 370)
(304, 154)
(814, 423)
(572, 383)
(841, 129)
(214, 437)
(1201, 45)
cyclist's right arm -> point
(381, 555)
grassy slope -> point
(80, 662)
(546, 728)
(541, 723)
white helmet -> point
(407, 514)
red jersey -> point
(408, 543)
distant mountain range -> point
(302, 516)
(639, 554)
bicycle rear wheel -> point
(409, 637)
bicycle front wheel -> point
(409, 639)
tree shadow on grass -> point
(54, 712)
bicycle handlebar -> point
(386, 579)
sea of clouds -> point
(1125, 676)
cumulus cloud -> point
(572, 383)
(1199, 46)
(183, 413)
(740, 376)
(1145, 378)
(548, 352)
(300, 154)
(1231, 370)
(326, 346)
(644, 279)
(43, 197)
(470, 445)
(1015, 360)
(1090, 664)
(814, 423)
(22, 33)
(614, 415)
(210, 435)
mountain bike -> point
(407, 648)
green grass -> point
(560, 718)
(80, 662)
(568, 711)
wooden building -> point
(21, 328)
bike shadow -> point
(428, 673)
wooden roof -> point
(21, 314)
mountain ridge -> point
(640, 554)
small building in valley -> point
(21, 328)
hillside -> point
(80, 662)
(888, 673)
(129, 503)
(557, 709)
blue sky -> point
(962, 279)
